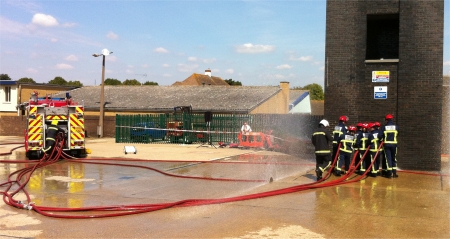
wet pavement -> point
(415, 205)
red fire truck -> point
(41, 112)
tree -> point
(131, 82)
(4, 77)
(75, 83)
(315, 91)
(58, 81)
(26, 80)
(111, 81)
(150, 83)
(232, 82)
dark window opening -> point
(382, 37)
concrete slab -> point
(415, 205)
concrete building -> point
(385, 56)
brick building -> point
(385, 56)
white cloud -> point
(446, 63)
(44, 20)
(192, 58)
(165, 65)
(250, 48)
(229, 71)
(31, 70)
(302, 58)
(111, 35)
(284, 66)
(64, 66)
(71, 58)
(187, 68)
(160, 50)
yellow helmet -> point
(54, 122)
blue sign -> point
(380, 92)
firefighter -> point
(388, 134)
(381, 160)
(321, 140)
(374, 148)
(50, 140)
(345, 151)
(362, 144)
(338, 131)
(359, 129)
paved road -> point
(411, 206)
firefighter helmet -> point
(343, 118)
(359, 125)
(377, 124)
(324, 122)
(389, 117)
(54, 122)
(352, 128)
(365, 125)
(370, 125)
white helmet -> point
(324, 122)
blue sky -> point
(254, 42)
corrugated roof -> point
(164, 98)
(294, 94)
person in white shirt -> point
(245, 130)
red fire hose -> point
(22, 177)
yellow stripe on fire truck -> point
(35, 128)
(56, 117)
(33, 110)
(79, 109)
(76, 130)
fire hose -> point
(22, 177)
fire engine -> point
(41, 112)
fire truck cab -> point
(41, 112)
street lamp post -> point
(105, 52)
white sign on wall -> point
(380, 76)
(380, 92)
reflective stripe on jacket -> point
(321, 139)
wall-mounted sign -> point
(380, 92)
(380, 76)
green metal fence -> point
(189, 128)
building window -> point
(382, 36)
(8, 94)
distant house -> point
(199, 80)
(299, 102)
(8, 96)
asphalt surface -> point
(415, 205)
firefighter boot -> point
(318, 174)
